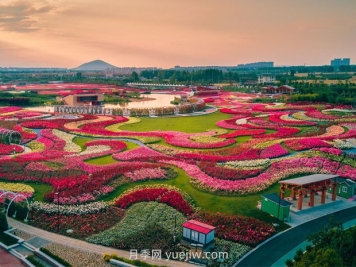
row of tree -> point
(331, 247)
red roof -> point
(198, 226)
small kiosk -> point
(198, 233)
(276, 206)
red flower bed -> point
(226, 173)
(146, 194)
(175, 200)
(116, 145)
(230, 123)
(82, 225)
(25, 135)
(99, 127)
(306, 143)
(274, 151)
(163, 195)
(276, 118)
(236, 228)
(282, 132)
(9, 149)
(40, 124)
(243, 132)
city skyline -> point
(161, 33)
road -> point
(79, 244)
(274, 249)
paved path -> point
(79, 244)
(8, 260)
(275, 248)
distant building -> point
(257, 65)
(337, 62)
(82, 99)
(284, 89)
(266, 78)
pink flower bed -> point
(276, 118)
(141, 153)
(116, 145)
(305, 143)
(40, 124)
(243, 132)
(281, 132)
(26, 114)
(319, 115)
(48, 143)
(98, 128)
(225, 173)
(329, 150)
(276, 172)
(146, 174)
(274, 151)
(20, 198)
(24, 134)
(8, 109)
(38, 166)
(230, 123)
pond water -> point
(160, 100)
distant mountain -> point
(95, 65)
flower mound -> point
(235, 228)
(163, 195)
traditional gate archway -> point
(15, 196)
(8, 136)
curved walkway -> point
(274, 249)
(79, 244)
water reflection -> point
(160, 100)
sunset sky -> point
(165, 33)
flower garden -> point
(121, 181)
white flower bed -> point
(93, 207)
(68, 138)
(92, 150)
(342, 144)
(248, 163)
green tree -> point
(134, 76)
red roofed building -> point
(198, 232)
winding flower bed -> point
(161, 194)
(244, 230)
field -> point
(213, 167)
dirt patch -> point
(141, 99)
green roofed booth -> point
(276, 206)
(345, 188)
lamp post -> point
(57, 194)
(174, 232)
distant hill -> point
(95, 65)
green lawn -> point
(108, 159)
(192, 124)
(243, 205)
(80, 141)
(40, 190)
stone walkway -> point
(79, 244)
(8, 260)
